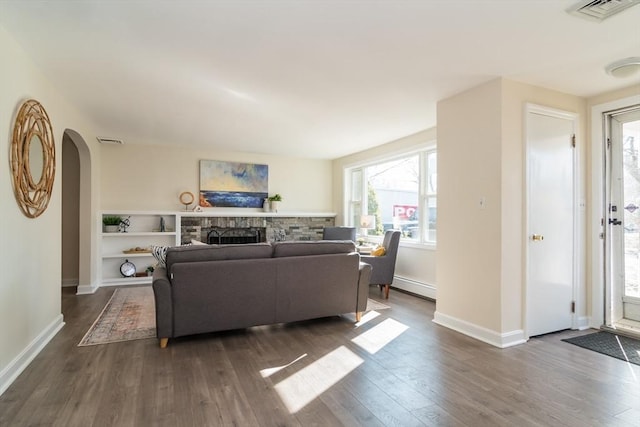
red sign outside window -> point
(404, 212)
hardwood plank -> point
(425, 375)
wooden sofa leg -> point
(358, 316)
(386, 291)
(164, 342)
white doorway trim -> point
(596, 319)
(576, 214)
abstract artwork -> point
(231, 184)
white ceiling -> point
(317, 79)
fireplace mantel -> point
(255, 214)
(270, 226)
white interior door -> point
(550, 217)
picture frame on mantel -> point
(233, 184)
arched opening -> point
(76, 213)
(70, 213)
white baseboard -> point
(86, 290)
(584, 322)
(20, 363)
(415, 287)
(504, 340)
(68, 283)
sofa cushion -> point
(318, 247)
(197, 253)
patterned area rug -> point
(618, 346)
(129, 315)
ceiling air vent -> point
(105, 140)
(599, 10)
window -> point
(393, 194)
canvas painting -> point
(231, 184)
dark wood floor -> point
(330, 373)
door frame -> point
(597, 211)
(574, 118)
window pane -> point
(431, 219)
(356, 185)
(432, 173)
(392, 196)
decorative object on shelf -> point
(274, 202)
(111, 223)
(150, 270)
(127, 269)
(231, 184)
(186, 198)
(33, 159)
(162, 226)
(125, 223)
(198, 208)
(137, 250)
(266, 206)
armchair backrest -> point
(384, 266)
(391, 242)
(339, 233)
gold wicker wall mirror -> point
(33, 159)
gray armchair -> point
(339, 233)
(384, 266)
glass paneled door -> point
(622, 308)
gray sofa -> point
(221, 287)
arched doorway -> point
(76, 212)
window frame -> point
(354, 208)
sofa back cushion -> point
(198, 253)
(318, 247)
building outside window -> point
(399, 193)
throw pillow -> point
(160, 254)
(379, 251)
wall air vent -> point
(599, 10)
(105, 140)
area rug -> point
(129, 315)
(618, 346)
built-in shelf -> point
(127, 281)
(143, 232)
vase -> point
(265, 205)
(111, 228)
(275, 205)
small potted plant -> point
(111, 223)
(150, 270)
(274, 201)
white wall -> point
(30, 249)
(481, 269)
(469, 238)
(144, 177)
(416, 264)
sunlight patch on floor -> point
(310, 382)
(380, 335)
(367, 317)
(267, 372)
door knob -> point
(537, 237)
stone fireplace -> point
(250, 229)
